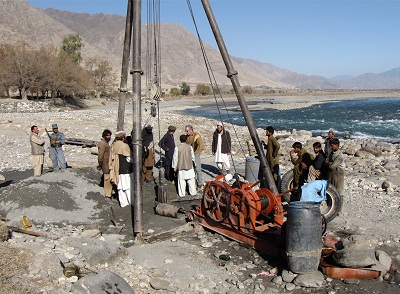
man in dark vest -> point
(148, 154)
(182, 163)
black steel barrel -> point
(303, 236)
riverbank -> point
(277, 102)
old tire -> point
(333, 204)
(329, 208)
(287, 184)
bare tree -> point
(68, 78)
(102, 76)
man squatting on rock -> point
(37, 147)
(194, 139)
(182, 163)
(103, 158)
(57, 139)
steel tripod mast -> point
(137, 121)
(134, 19)
(133, 30)
(232, 75)
(123, 88)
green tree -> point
(185, 89)
(72, 45)
(202, 89)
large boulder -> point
(355, 258)
(103, 282)
(364, 154)
(373, 150)
(310, 280)
(96, 251)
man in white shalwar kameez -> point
(182, 163)
(121, 168)
(221, 148)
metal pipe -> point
(123, 88)
(137, 125)
(232, 75)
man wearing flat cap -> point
(121, 168)
(57, 140)
(167, 143)
(148, 154)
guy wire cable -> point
(212, 78)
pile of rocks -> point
(24, 107)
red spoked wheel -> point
(216, 202)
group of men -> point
(57, 140)
(183, 162)
(115, 161)
(325, 165)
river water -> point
(363, 118)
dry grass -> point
(14, 263)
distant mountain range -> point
(182, 60)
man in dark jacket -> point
(148, 154)
(221, 148)
(103, 158)
(167, 143)
(318, 169)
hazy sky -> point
(314, 37)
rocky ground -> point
(77, 222)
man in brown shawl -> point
(121, 168)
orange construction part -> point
(348, 273)
(238, 212)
